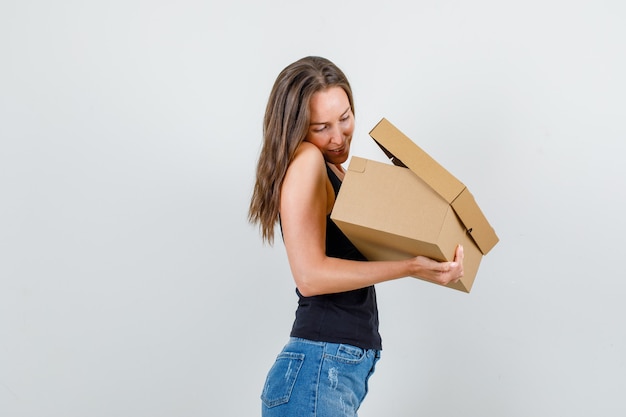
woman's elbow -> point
(305, 292)
(306, 285)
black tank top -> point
(349, 317)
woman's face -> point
(332, 124)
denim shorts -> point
(317, 379)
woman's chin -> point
(337, 158)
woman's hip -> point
(311, 378)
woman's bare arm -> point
(303, 210)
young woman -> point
(334, 343)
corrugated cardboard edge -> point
(357, 164)
(404, 152)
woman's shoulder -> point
(308, 148)
(308, 155)
(307, 167)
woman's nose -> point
(335, 135)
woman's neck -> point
(338, 170)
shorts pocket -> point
(348, 354)
(281, 378)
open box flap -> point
(404, 152)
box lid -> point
(404, 152)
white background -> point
(131, 283)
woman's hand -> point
(441, 272)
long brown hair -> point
(285, 126)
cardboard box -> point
(414, 207)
